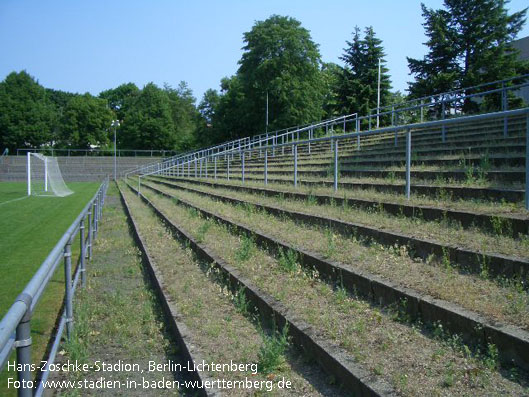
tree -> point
(206, 129)
(280, 58)
(330, 74)
(85, 122)
(439, 70)
(358, 84)
(27, 116)
(469, 44)
(120, 97)
(231, 118)
(148, 122)
(183, 113)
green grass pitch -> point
(29, 229)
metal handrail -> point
(241, 143)
(153, 168)
(19, 314)
(101, 152)
(457, 91)
(431, 125)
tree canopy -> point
(27, 115)
(469, 43)
(279, 58)
(358, 81)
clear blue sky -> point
(90, 46)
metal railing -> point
(232, 147)
(424, 127)
(437, 98)
(438, 107)
(15, 329)
(100, 152)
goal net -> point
(44, 176)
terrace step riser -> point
(513, 160)
(506, 176)
(466, 219)
(465, 193)
(499, 265)
(272, 312)
(179, 330)
(388, 145)
(512, 343)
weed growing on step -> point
(501, 226)
(202, 230)
(288, 261)
(312, 200)
(271, 354)
(484, 266)
(242, 304)
(246, 249)
(331, 243)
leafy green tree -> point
(183, 113)
(85, 122)
(330, 74)
(206, 132)
(27, 116)
(148, 121)
(280, 58)
(358, 83)
(120, 97)
(469, 43)
(439, 70)
(231, 118)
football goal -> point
(44, 176)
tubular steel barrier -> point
(15, 328)
(450, 103)
(334, 140)
(101, 152)
(234, 147)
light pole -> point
(115, 124)
(378, 95)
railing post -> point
(442, 118)
(295, 149)
(215, 168)
(393, 116)
(23, 345)
(242, 167)
(228, 173)
(282, 147)
(504, 108)
(336, 165)
(408, 162)
(266, 167)
(422, 110)
(527, 162)
(82, 254)
(195, 167)
(310, 136)
(68, 296)
(90, 228)
(96, 211)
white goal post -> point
(44, 176)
